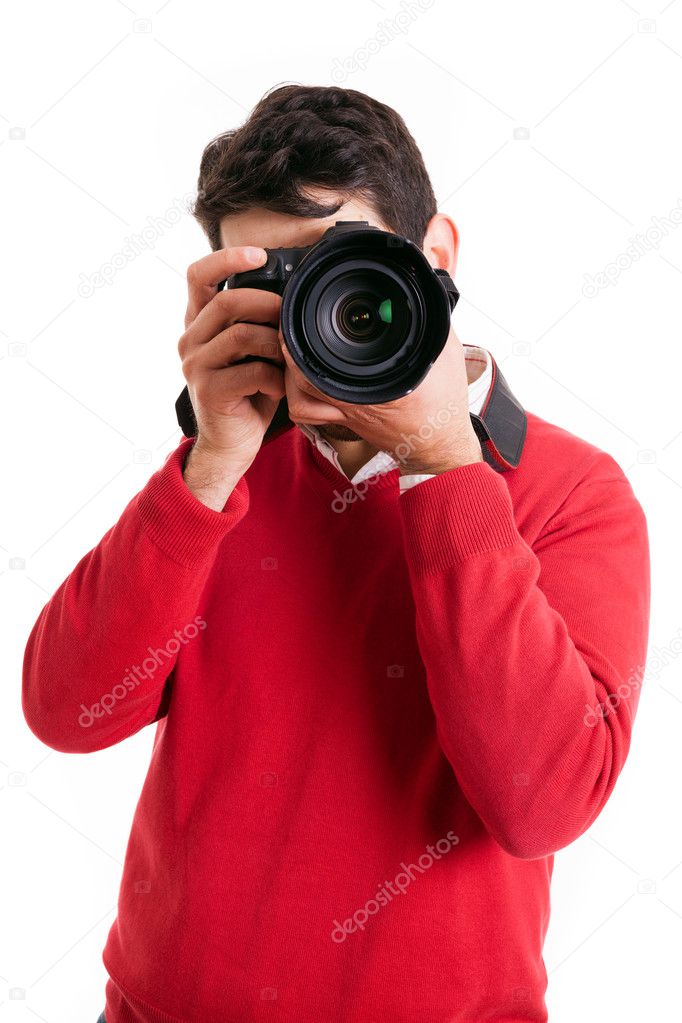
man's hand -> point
(427, 431)
(234, 401)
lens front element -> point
(358, 318)
(363, 316)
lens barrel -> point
(364, 315)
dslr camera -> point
(364, 315)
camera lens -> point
(363, 317)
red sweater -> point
(375, 727)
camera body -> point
(364, 315)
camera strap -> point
(501, 424)
(449, 285)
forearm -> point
(511, 678)
(103, 647)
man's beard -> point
(333, 431)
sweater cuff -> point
(456, 515)
(177, 521)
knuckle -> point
(240, 333)
(189, 365)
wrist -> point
(210, 477)
(436, 464)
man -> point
(389, 680)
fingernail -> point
(254, 254)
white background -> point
(104, 111)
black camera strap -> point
(500, 425)
(449, 285)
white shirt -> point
(479, 375)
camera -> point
(364, 315)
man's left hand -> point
(426, 431)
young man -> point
(387, 689)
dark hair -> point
(298, 136)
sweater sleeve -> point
(534, 657)
(104, 646)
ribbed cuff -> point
(177, 521)
(456, 515)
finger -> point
(303, 408)
(204, 276)
(244, 381)
(250, 305)
(307, 390)
(237, 342)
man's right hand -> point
(234, 401)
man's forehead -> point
(280, 230)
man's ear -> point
(441, 243)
